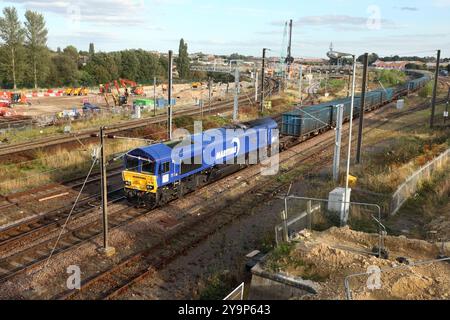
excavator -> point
(135, 89)
(118, 98)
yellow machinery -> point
(196, 85)
(140, 182)
(68, 91)
(82, 91)
(76, 92)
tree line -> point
(27, 62)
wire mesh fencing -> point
(413, 183)
(318, 215)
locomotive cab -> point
(140, 175)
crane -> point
(289, 58)
(282, 65)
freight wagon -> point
(306, 121)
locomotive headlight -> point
(149, 187)
(128, 183)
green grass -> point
(426, 91)
(217, 287)
(423, 207)
(284, 258)
(390, 78)
(60, 166)
(334, 85)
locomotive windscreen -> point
(132, 163)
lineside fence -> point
(413, 183)
(311, 214)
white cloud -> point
(339, 22)
(96, 12)
(441, 3)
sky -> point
(403, 27)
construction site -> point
(243, 179)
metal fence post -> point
(285, 226)
(309, 211)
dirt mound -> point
(333, 255)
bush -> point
(426, 91)
(390, 78)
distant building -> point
(83, 60)
(311, 61)
(394, 65)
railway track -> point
(40, 226)
(31, 257)
(113, 282)
(194, 230)
(86, 134)
(21, 198)
(24, 260)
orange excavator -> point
(135, 89)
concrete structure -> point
(266, 285)
(337, 202)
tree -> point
(373, 57)
(36, 41)
(72, 53)
(91, 49)
(183, 63)
(236, 56)
(12, 33)
(130, 65)
(64, 68)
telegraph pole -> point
(154, 96)
(338, 142)
(209, 94)
(361, 111)
(107, 250)
(256, 86)
(236, 94)
(446, 107)
(349, 83)
(263, 72)
(301, 85)
(169, 111)
(433, 103)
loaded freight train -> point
(159, 173)
(315, 119)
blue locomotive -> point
(159, 173)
